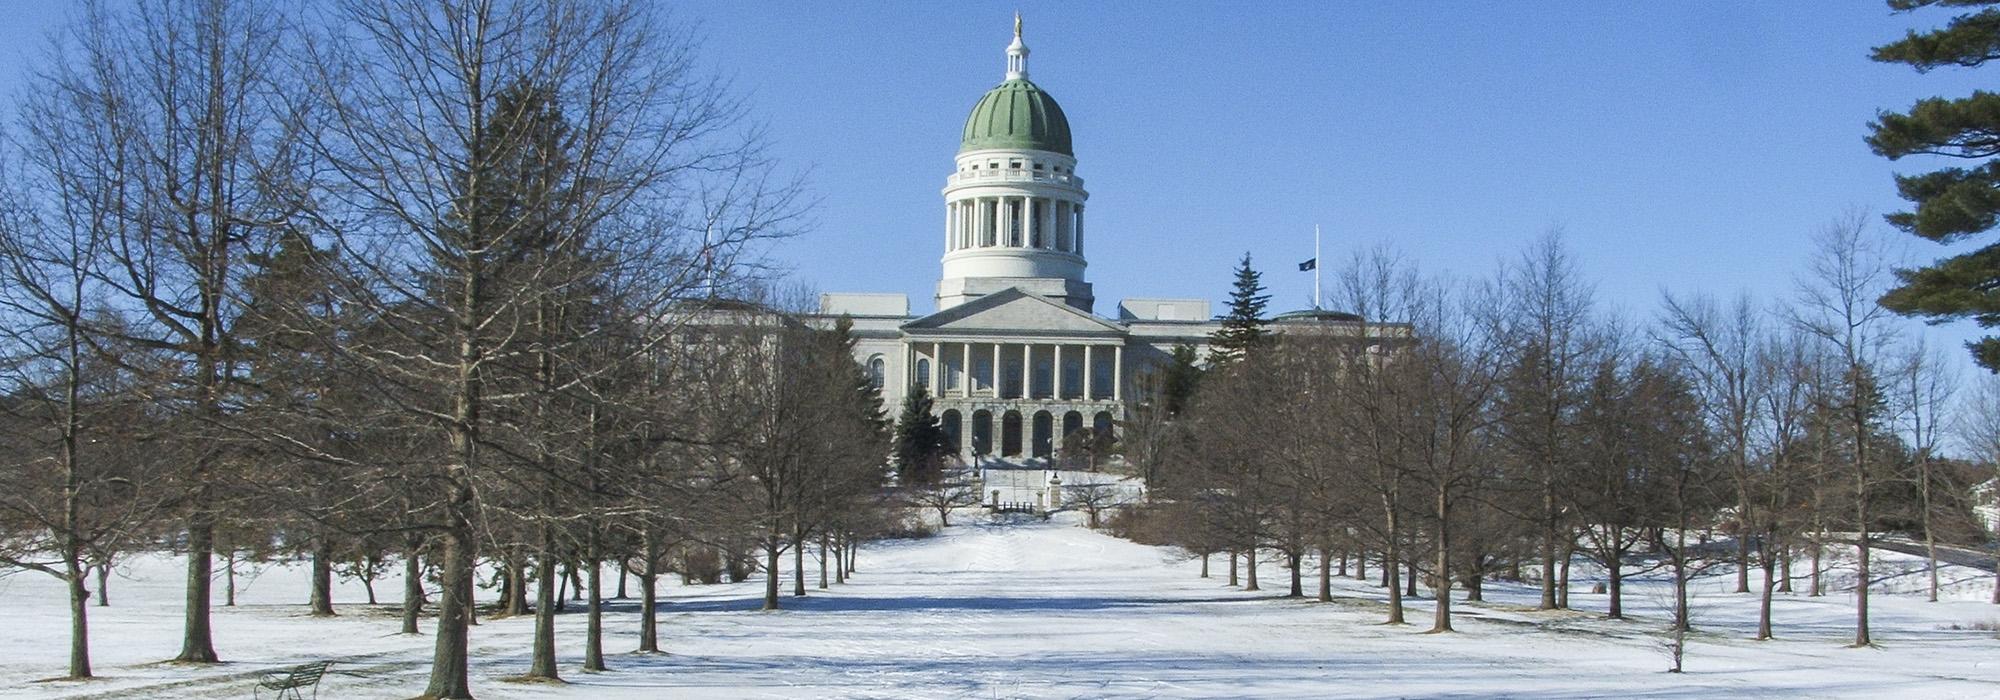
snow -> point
(1043, 609)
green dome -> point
(1017, 114)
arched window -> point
(924, 373)
(878, 371)
(954, 429)
(982, 432)
(1010, 434)
(1043, 436)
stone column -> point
(909, 368)
(937, 371)
(1076, 237)
(1027, 379)
(996, 372)
(1086, 373)
(965, 377)
(1056, 382)
(1061, 213)
(1003, 220)
(1117, 373)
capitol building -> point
(1016, 354)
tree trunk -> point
(1861, 585)
(449, 662)
(593, 642)
(368, 584)
(798, 565)
(1817, 589)
(517, 582)
(1996, 577)
(229, 579)
(1549, 549)
(413, 587)
(822, 561)
(1298, 588)
(1343, 562)
(322, 577)
(1930, 538)
(771, 572)
(623, 569)
(853, 550)
(1441, 622)
(198, 639)
(839, 560)
(649, 582)
(562, 591)
(1785, 568)
(1410, 577)
(104, 587)
(1361, 565)
(1681, 621)
(1615, 585)
(1742, 549)
(1204, 574)
(1232, 568)
(1562, 575)
(1770, 565)
(542, 663)
(79, 613)
(1326, 574)
(1391, 564)
(1250, 570)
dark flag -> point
(1309, 265)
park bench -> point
(293, 679)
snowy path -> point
(1034, 610)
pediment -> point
(1014, 312)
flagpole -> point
(1316, 266)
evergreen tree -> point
(1243, 327)
(1952, 204)
(1179, 379)
(921, 443)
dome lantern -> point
(1017, 54)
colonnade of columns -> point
(1014, 222)
(1027, 370)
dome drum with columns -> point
(1014, 204)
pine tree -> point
(1179, 379)
(1243, 327)
(921, 442)
(1952, 204)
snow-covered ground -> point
(1035, 609)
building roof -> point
(1017, 114)
(1316, 315)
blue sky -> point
(1680, 146)
(1688, 146)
